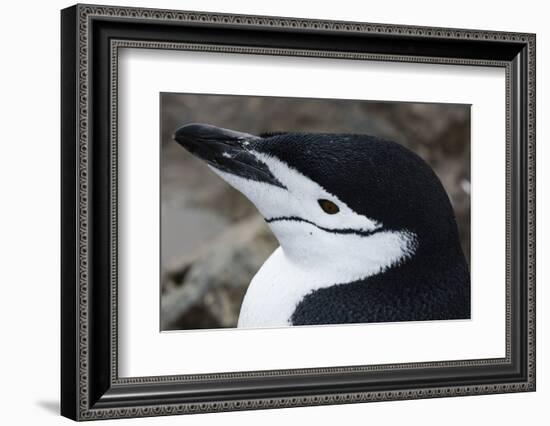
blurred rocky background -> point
(212, 239)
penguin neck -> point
(331, 269)
(338, 258)
(310, 259)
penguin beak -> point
(225, 150)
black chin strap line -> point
(322, 228)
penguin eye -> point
(328, 206)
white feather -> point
(284, 280)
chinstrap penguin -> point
(366, 231)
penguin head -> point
(348, 200)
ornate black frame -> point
(91, 37)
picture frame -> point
(91, 38)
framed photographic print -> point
(263, 212)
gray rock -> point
(206, 290)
